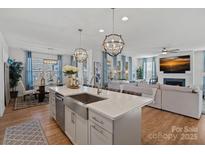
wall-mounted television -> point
(177, 64)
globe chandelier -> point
(80, 54)
(113, 43)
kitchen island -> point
(113, 119)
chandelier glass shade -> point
(80, 54)
(113, 43)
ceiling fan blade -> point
(173, 50)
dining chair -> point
(22, 92)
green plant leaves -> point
(15, 70)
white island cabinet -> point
(70, 124)
(124, 130)
(52, 104)
(75, 127)
(115, 119)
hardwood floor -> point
(162, 127)
(158, 127)
(53, 133)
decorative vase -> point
(69, 81)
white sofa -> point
(157, 100)
(182, 100)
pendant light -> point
(113, 43)
(80, 54)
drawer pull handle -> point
(100, 131)
(94, 118)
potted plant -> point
(15, 69)
(140, 73)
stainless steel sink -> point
(86, 98)
(77, 103)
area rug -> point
(20, 103)
(27, 133)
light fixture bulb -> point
(101, 30)
(124, 18)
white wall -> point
(3, 58)
(198, 69)
(18, 54)
(97, 56)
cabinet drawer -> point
(101, 121)
(99, 136)
(52, 99)
(53, 111)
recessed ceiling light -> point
(124, 18)
(101, 30)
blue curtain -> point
(144, 66)
(29, 74)
(115, 66)
(154, 68)
(123, 58)
(74, 63)
(130, 68)
(60, 72)
(104, 69)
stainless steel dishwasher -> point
(60, 111)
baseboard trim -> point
(2, 111)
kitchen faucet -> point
(98, 88)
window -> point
(149, 69)
(85, 73)
(126, 71)
(46, 65)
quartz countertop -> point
(114, 106)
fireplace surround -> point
(175, 81)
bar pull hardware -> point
(94, 118)
(100, 131)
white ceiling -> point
(145, 33)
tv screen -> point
(178, 64)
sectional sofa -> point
(181, 100)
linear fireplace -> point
(174, 82)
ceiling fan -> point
(165, 51)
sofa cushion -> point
(176, 88)
(145, 85)
(114, 86)
(137, 89)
